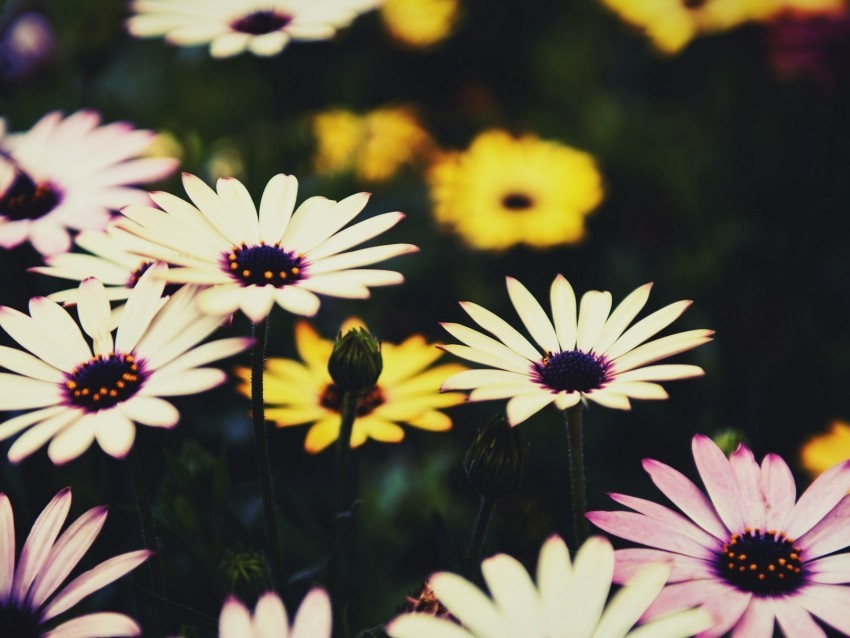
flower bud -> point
(495, 461)
(356, 361)
(728, 440)
(244, 574)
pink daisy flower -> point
(30, 596)
(70, 173)
(748, 551)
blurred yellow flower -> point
(505, 190)
(823, 451)
(375, 145)
(408, 391)
(672, 24)
(420, 23)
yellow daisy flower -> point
(420, 23)
(672, 24)
(407, 391)
(823, 451)
(505, 190)
(374, 146)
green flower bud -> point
(728, 440)
(244, 574)
(495, 461)
(356, 361)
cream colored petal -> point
(523, 406)
(563, 301)
(667, 372)
(610, 399)
(629, 604)
(276, 207)
(592, 573)
(622, 316)
(661, 348)
(115, 433)
(487, 359)
(237, 200)
(426, 626)
(554, 576)
(645, 328)
(515, 595)
(638, 389)
(533, 316)
(497, 326)
(593, 313)
(478, 341)
(469, 605)
(470, 379)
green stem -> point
(479, 533)
(576, 458)
(350, 400)
(261, 448)
(153, 567)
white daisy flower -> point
(230, 27)
(313, 619)
(567, 602)
(28, 606)
(73, 394)
(589, 354)
(70, 174)
(252, 262)
(112, 258)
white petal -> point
(23, 393)
(257, 301)
(142, 305)
(666, 372)
(362, 257)
(270, 620)
(71, 442)
(592, 315)
(326, 223)
(97, 625)
(661, 348)
(235, 620)
(592, 573)
(502, 391)
(28, 365)
(468, 604)
(523, 406)
(533, 316)
(354, 235)
(563, 301)
(59, 328)
(94, 311)
(229, 44)
(276, 207)
(470, 379)
(313, 619)
(39, 434)
(487, 358)
(268, 43)
(645, 328)
(554, 575)
(309, 214)
(515, 594)
(637, 389)
(150, 411)
(610, 399)
(39, 543)
(236, 198)
(475, 339)
(209, 203)
(93, 580)
(206, 353)
(220, 300)
(31, 336)
(115, 433)
(297, 301)
(622, 316)
(182, 382)
(502, 330)
(22, 421)
(629, 604)
(425, 626)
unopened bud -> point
(356, 361)
(244, 574)
(728, 440)
(496, 459)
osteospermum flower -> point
(230, 27)
(73, 394)
(588, 354)
(504, 191)
(407, 391)
(569, 600)
(70, 173)
(745, 551)
(313, 619)
(282, 257)
(823, 451)
(672, 24)
(29, 602)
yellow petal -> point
(312, 349)
(295, 416)
(433, 421)
(428, 382)
(322, 435)
(381, 430)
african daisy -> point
(313, 619)
(70, 173)
(588, 354)
(745, 551)
(28, 606)
(230, 27)
(252, 262)
(73, 394)
(569, 600)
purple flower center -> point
(765, 563)
(517, 201)
(24, 199)
(105, 381)
(18, 623)
(261, 22)
(264, 264)
(572, 371)
(332, 399)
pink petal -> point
(39, 542)
(748, 475)
(832, 570)
(686, 496)
(96, 625)
(648, 531)
(757, 621)
(827, 602)
(716, 474)
(92, 580)
(666, 515)
(7, 548)
(66, 553)
(726, 608)
(830, 534)
(681, 596)
(795, 621)
(630, 561)
(777, 484)
(817, 501)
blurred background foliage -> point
(725, 183)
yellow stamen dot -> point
(246, 273)
(268, 274)
(234, 265)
